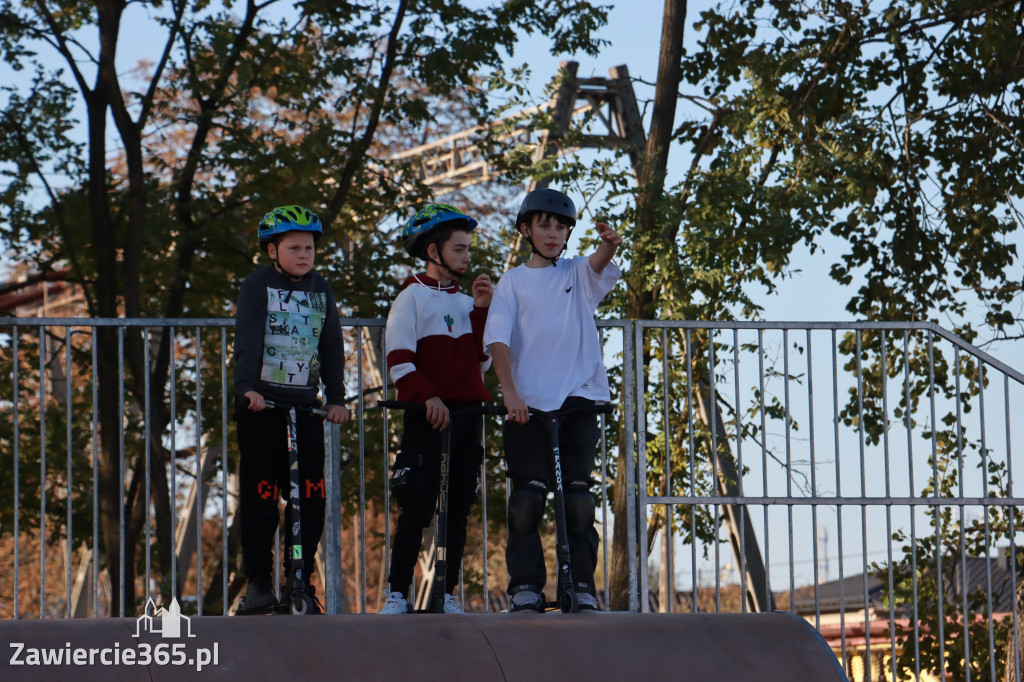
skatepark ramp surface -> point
(524, 647)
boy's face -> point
(455, 251)
(294, 252)
(548, 233)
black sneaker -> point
(259, 598)
(526, 600)
(588, 602)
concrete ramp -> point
(522, 647)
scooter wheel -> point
(299, 605)
(569, 603)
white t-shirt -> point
(546, 318)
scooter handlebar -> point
(462, 409)
(596, 408)
(317, 411)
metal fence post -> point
(333, 585)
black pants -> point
(263, 479)
(529, 461)
(416, 483)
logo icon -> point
(569, 289)
(448, 320)
(165, 621)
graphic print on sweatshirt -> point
(294, 322)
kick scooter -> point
(435, 602)
(568, 601)
(299, 602)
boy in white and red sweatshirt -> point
(435, 356)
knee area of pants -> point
(416, 511)
(525, 510)
(579, 511)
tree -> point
(241, 108)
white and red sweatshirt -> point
(435, 343)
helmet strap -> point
(441, 263)
(277, 265)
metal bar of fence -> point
(960, 487)
(1013, 533)
(120, 469)
(789, 461)
(362, 486)
(147, 451)
(174, 464)
(605, 554)
(199, 473)
(935, 492)
(863, 509)
(666, 544)
(332, 578)
(16, 469)
(223, 471)
(814, 479)
(884, 373)
(764, 458)
(715, 464)
(483, 518)
(636, 474)
(839, 487)
(69, 557)
(911, 480)
(95, 479)
(739, 467)
(42, 474)
(630, 416)
(987, 535)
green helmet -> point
(288, 219)
(427, 220)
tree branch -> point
(62, 47)
(356, 154)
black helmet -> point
(550, 201)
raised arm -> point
(610, 242)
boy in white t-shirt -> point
(547, 355)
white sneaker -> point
(395, 604)
(587, 602)
(452, 604)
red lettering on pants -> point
(311, 486)
(267, 490)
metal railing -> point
(743, 438)
(865, 433)
(151, 502)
